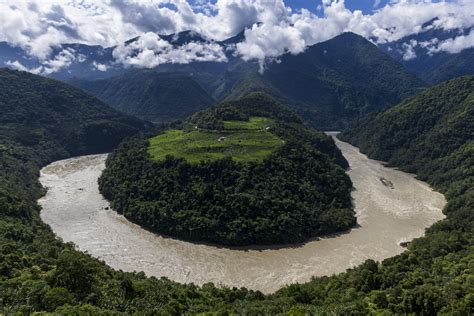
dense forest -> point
(298, 191)
(41, 274)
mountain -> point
(415, 52)
(57, 118)
(245, 172)
(329, 84)
(147, 94)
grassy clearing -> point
(252, 124)
(241, 140)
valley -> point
(386, 216)
(176, 157)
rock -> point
(404, 244)
(386, 182)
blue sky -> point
(366, 6)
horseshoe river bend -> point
(392, 207)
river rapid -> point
(391, 207)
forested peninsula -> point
(244, 172)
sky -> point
(272, 27)
(366, 6)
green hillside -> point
(147, 94)
(57, 119)
(431, 134)
(227, 179)
(450, 66)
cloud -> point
(271, 27)
(452, 45)
(39, 28)
(409, 50)
(390, 23)
(150, 50)
(16, 65)
(62, 60)
(270, 41)
(100, 67)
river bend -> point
(391, 207)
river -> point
(391, 207)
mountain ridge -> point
(329, 84)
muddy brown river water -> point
(391, 207)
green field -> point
(241, 140)
(252, 124)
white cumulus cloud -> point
(150, 50)
(453, 45)
(271, 26)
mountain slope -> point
(341, 79)
(51, 115)
(329, 84)
(149, 95)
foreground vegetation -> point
(41, 274)
(226, 179)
